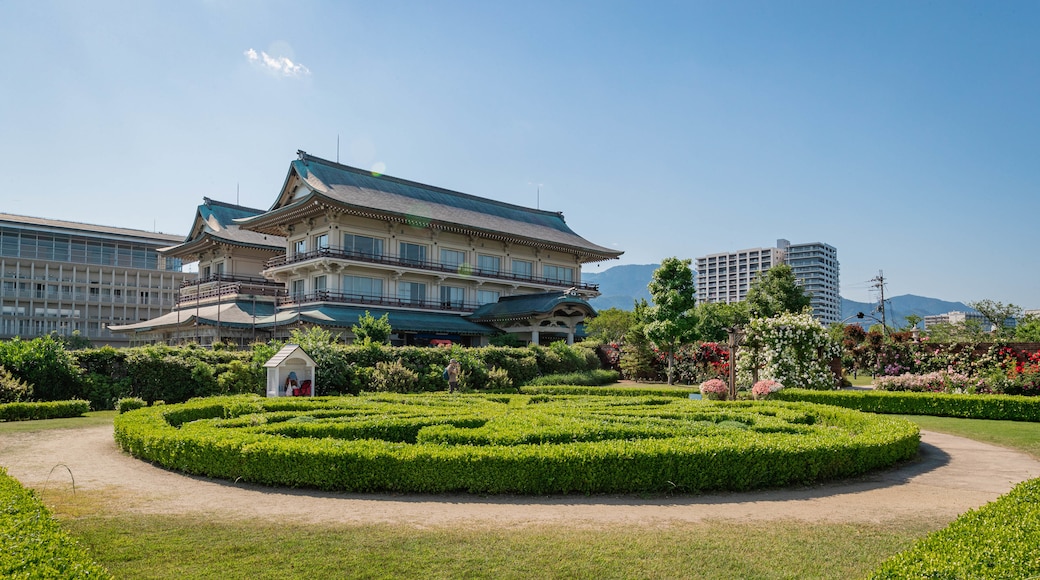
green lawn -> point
(163, 546)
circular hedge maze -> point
(529, 444)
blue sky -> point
(905, 134)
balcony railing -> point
(230, 288)
(369, 300)
(260, 280)
(429, 265)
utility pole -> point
(879, 283)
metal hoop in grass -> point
(527, 444)
(47, 482)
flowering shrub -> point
(794, 349)
(762, 389)
(937, 382)
(714, 389)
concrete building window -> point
(523, 268)
(321, 242)
(319, 283)
(412, 253)
(362, 245)
(300, 247)
(364, 287)
(413, 293)
(489, 264)
(558, 273)
(486, 297)
(298, 288)
(452, 258)
(452, 297)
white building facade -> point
(727, 277)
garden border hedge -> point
(35, 545)
(48, 410)
(184, 437)
(994, 407)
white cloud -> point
(280, 65)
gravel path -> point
(951, 475)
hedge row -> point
(513, 443)
(49, 410)
(34, 545)
(999, 540)
(997, 407)
(105, 375)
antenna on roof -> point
(337, 147)
(238, 191)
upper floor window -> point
(218, 268)
(319, 283)
(298, 288)
(558, 273)
(452, 258)
(362, 286)
(321, 242)
(206, 271)
(489, 264)
(300, 247)
(452, 297)
(413, 253)
(413, 293)
(523, 268)
(487, 297)
(362, 245)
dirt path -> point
(951, 475)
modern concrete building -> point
(726, 277)
(64, 277)
(957, 317)
(442, 265)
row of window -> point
(36, 246)
(417, 254)
(407, 292)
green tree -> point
(610, 325)
(671, 321)
(370, 329)
(997, 314)
(776, 292)
(912, 321)
(714, 318)
(1028, 329)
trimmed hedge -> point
(34, 545)
(998, 540)
(997, 407)
(50, 410)
(513, 443)
(587, 378)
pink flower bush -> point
(764, 388)
(714, 389)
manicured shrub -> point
(587, 378)
(31, 411)
(129, 404)
(514, 443)
(997, 407)
(998, 540)
(393, 377)
(34, 544)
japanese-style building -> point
(341, 241)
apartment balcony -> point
(422, 265)
(324, 296)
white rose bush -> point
(794, 350)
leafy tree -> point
(1028, 329)
(638, 361)
(775, 293)
(370, 329)
(912, 321)
(969, 331)
(713, 318)
(671, 321)
(997, 314)
(610, 325)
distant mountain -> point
(898, 308)
(621, 286)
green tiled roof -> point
(371, 194)
(400, 320)
(215, 223)
(527, 305)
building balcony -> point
(221, 285)
(325, 296)
(423, 265)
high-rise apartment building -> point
(726, 277)
(59, 276)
